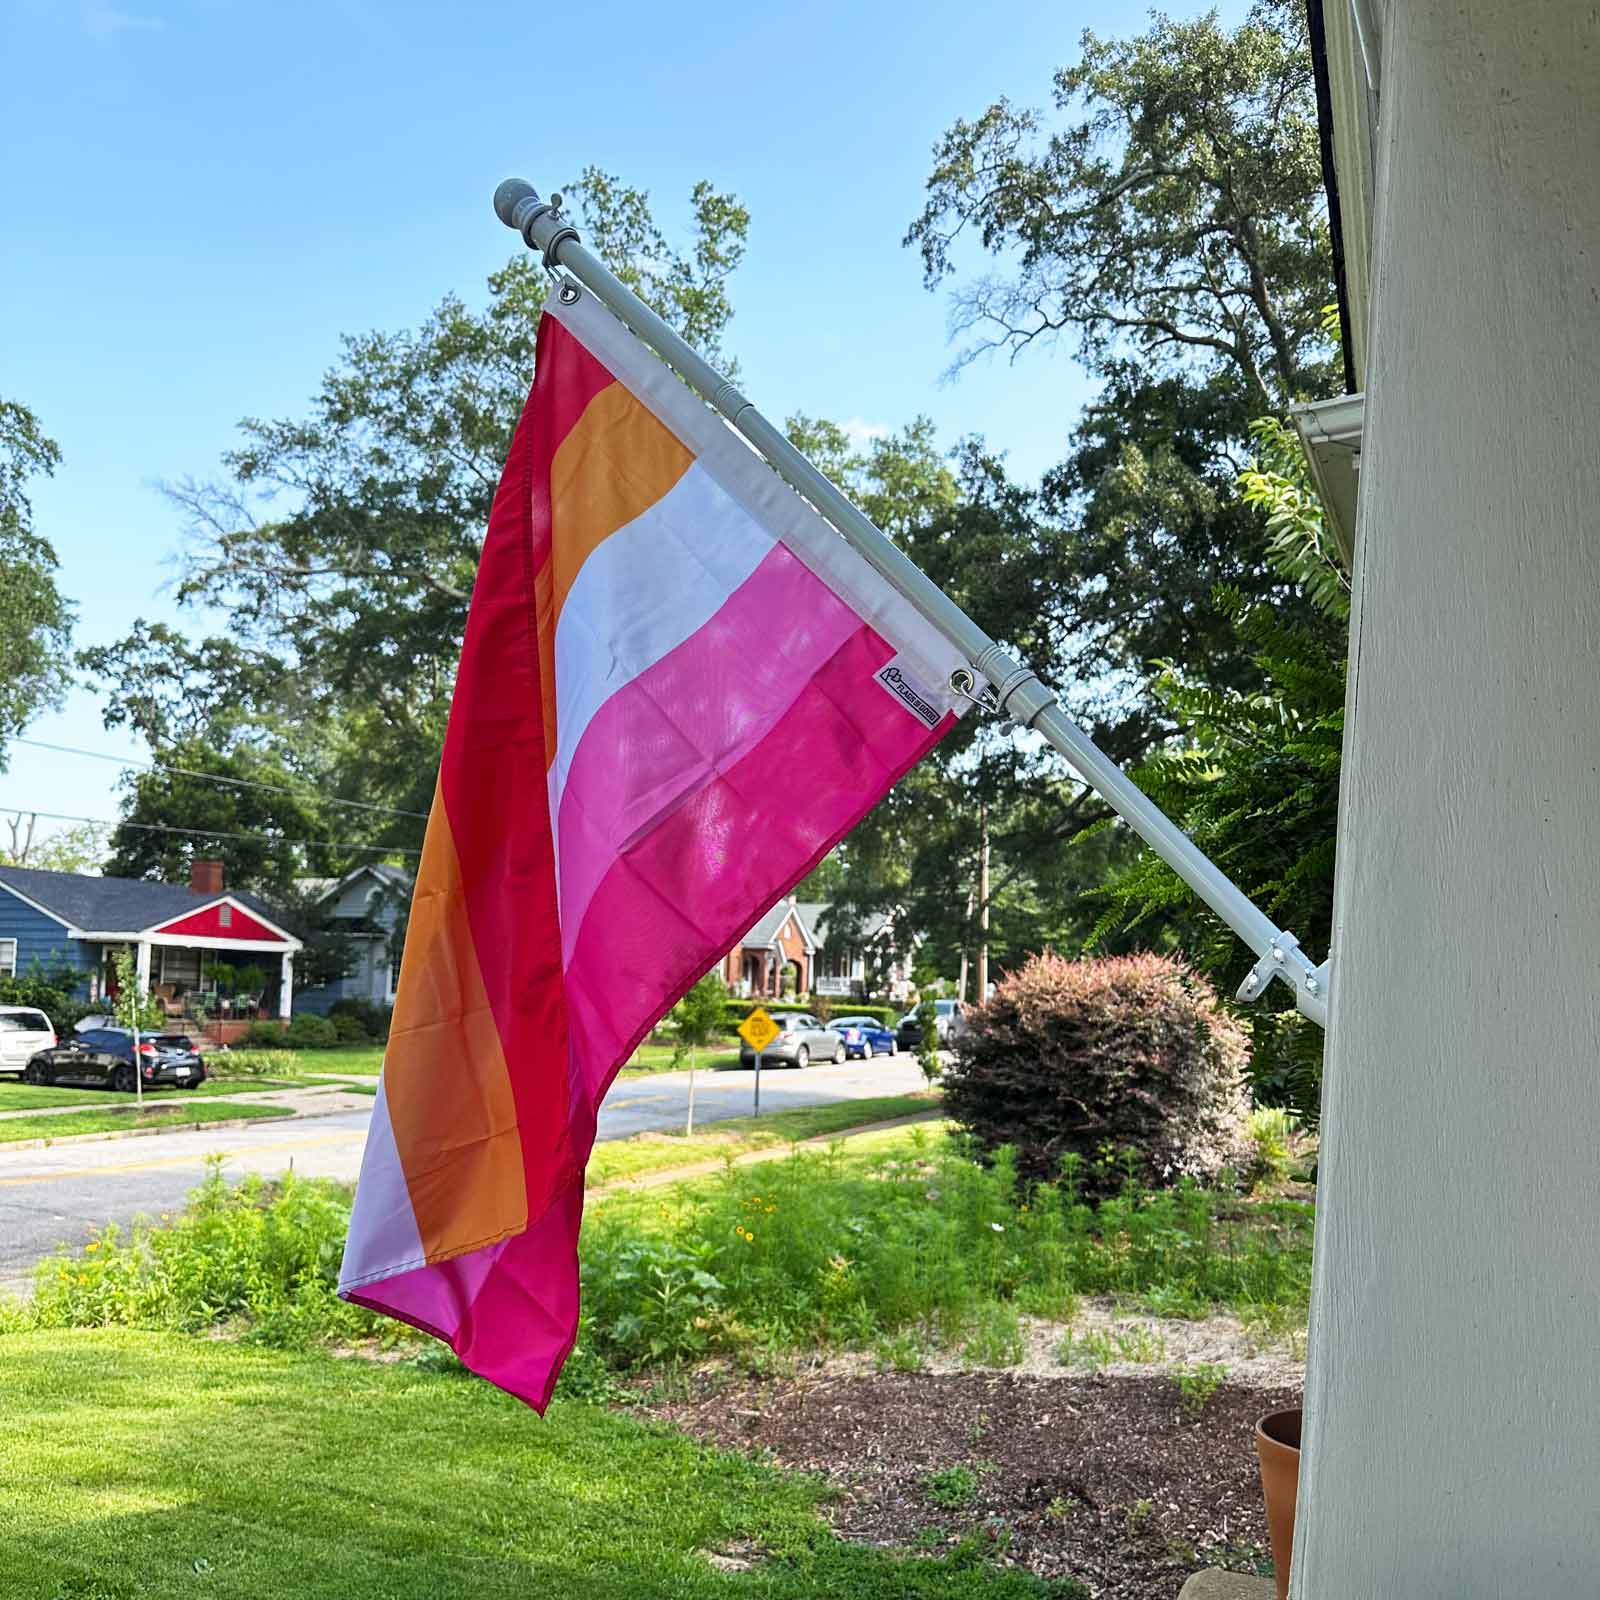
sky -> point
(198, 197)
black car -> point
(947, 1022)
(104, 1058)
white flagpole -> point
(1013, 690)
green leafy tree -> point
(35, 621)
(213, 807)
(134, 1008)
(1255, 778)
(354, 530)
(1166, 218)
(698, 1018)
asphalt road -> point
(61, 1194)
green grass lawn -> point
(157, 1466)
(31, 1097)
(365, 1060)
(734, 1136)
(179, 1113)
(650, 1059)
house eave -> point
(1330, 431)
(288, 944)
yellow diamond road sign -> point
(758, 1030)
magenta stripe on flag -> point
(696, 711)
(668, 908)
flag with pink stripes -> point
(679, 689)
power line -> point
(209, 833)
(214, 777)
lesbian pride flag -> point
(679, 689)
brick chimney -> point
(205, 877)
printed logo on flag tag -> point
(909, 693)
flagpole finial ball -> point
(507, 196)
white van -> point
(24, 1032)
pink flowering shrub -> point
(1125, 1062)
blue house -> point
(366, 905)
(70, 920)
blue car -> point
(864, 1037)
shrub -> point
(348, 1029)
(265, 1036)
(309, 1032)
(260, 1257)
(372, 1018)
(52, 992)
(1127, 1057)
(248, 1063)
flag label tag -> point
(909, 693)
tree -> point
(243, 807)
(135, 1009)
(1255, 780)
(35, 621)
(698, 1018)
(354, 531)
(1171, 226)
(1174, 229)
(77, 849)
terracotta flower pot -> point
(1278, 1449)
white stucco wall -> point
(1452, 1448)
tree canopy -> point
(342, 546)
(35, 620)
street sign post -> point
(758, 1030)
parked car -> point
(865, 1037)
(947, 1023)
(801, 1039)
(24, 1032)
(104, 1058)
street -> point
(61, 1194)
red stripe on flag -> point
(492, 775)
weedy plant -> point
(1197, 1385)
(952, 1488)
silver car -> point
(801, 1040)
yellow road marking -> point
(179, 1161)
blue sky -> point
(201, 196)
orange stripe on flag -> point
(616, 462)
(444, 1072)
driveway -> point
(61, 1194)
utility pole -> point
(983, 905)
(966, 933)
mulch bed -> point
(1106, 1479)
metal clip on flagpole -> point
(1013, 692)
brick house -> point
(793, 938)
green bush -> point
(373, 1019)
(261, 1257)
(1127, 1057)
(812, 1251)
(913, 1248)
(348, 1029)
(251, 1063)
(309, 1032)
(53, 992)
(265, 1035)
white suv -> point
(24, 1032)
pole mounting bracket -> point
(1285, 959)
